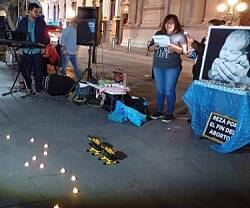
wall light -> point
(231, 11)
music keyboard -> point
(21, 44)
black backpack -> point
(138, 103)
(56, 84)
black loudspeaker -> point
(88, 26)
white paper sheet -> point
(82, 85)
(162, 40)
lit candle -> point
(73, 178)
(45, 153)
(34, 158)
(7, 136)
(75, 190)
(26, 164)
(63, 170)
(42, 165)
(32, 140)
(46, 146)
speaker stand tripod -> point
(87, 70)
(20, 67)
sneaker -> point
(156, 115)
(168, 118)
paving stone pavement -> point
(163, 165)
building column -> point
(68, 7)
(167, 7)
(197, 12)
(105, 9)
(175, 7)
(210, 11)
(56, 13)
(139, 12)
(132, 12)
(165, 12)
(51, 10)
(61, 10)
(45, 11)
(117, 9)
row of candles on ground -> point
(45, 153)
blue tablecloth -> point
(202, 98)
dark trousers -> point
(32, 63)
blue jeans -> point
(166, 80)
(65, 60)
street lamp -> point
(231, 11)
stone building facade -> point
(59, 10)
(138, 20)
(145, 17)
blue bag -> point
(127, 113)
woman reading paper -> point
(167, 65)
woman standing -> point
(167, 66)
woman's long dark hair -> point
(177, 27)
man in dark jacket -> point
(35, 27)
(199, 47)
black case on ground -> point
(56, 84)
(138, 103)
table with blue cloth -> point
(203, 97)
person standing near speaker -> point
(69, 48)
(35, 27)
